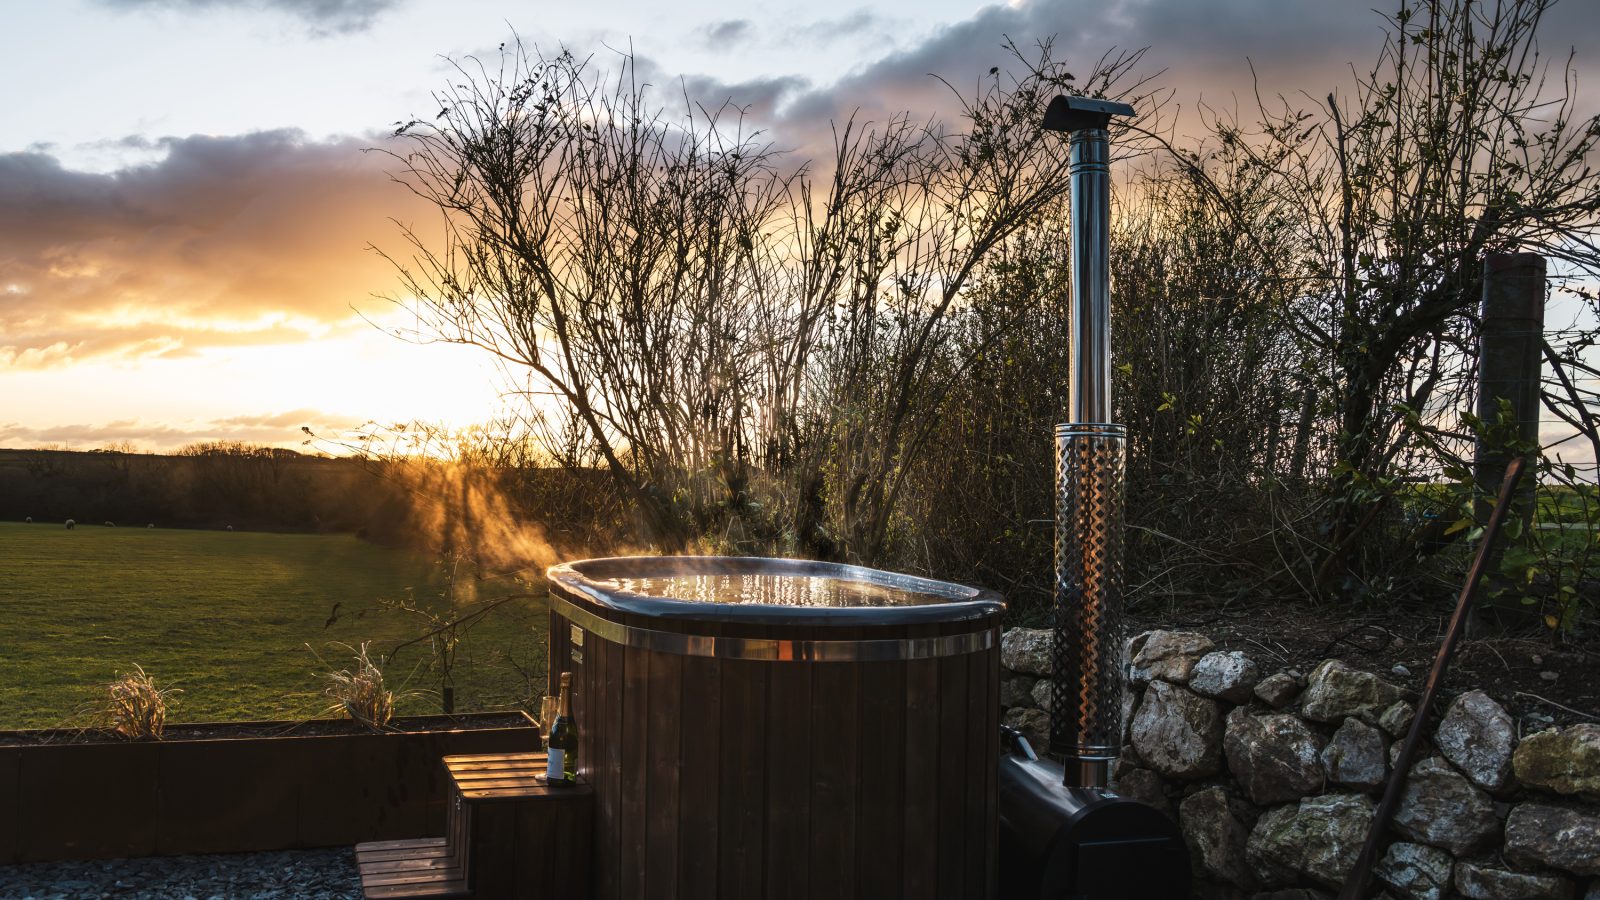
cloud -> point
(226, 241)
(1216, 54)
(282, 429)
(292, 419)
(826, 31)
(1198, 44)
(321, 17)
(759, 97)
(719, 35)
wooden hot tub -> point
(837, 739)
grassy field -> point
(226, 617)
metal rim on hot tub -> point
(771, 649)
(584, 580)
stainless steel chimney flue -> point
(1087, 683)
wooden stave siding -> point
(906, 806)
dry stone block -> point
(1337, 691)
(1542, 835)
(1130, 703)
(1215, 837)
(1479, 883)
(1566, 761)
(1318, 839)
(1357, 756)
(1041, 694)
(1415, 871)
(1278, 690)
(1477, 735)
(1026, 650)
(1034, 725)
(1167, 655)
(1017, 691)
(1396, 720)
(1229, 676)
(1177, 733)
(1273, 757)
(1441, 807)
(1144, 786)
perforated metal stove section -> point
(1088, 656)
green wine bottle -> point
(563, 764)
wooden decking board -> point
(453, 887)
(532, 783)
(416, 864)
(405, 844)
(527, 776)
(518, 766)
(512, 793)
(468, 763)
(493, 768)
(420, 876)
(371, 856)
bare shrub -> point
(134, 707)
(358, 693)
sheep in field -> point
(71, 524)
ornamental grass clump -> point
(358, 693)
(135, 708)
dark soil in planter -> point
(1539, 684)
(218, 731)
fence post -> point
(1510, 356)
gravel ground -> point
(290, 875)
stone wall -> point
(1273, 777)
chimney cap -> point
(1070, 113)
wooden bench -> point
(508, 836)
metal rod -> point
(1356, 886)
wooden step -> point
(424, 867)
(523, 837)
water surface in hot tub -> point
(772, 590)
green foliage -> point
(1546, 556)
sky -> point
(191, 211)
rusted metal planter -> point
(194, 794)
